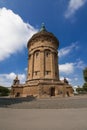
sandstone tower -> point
(43, 57)
(43, 69)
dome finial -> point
(43, 27)
(16, 77)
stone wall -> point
(43, 61)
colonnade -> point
(48, 68)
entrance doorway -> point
(67, 93)
(17, 94)
(52, 92)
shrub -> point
(4, 91)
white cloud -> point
(14, 33)
(75, 86)
(73, 6)
(76, 79)
(26, 69)
(66, 50)
(80, 64)
(7, 79)
(69, 68)
(66, 68)
(70, 71)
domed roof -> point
(42, 35)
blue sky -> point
(20, 19)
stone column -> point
(64, 90)
(58, 68)
(30, 67)
(52, 66)
(42, 64)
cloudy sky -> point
(20, 19)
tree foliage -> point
(85, 74)
(4, 91)
(85, 86)
(79, 89)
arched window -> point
(36, 53)
(47, 53)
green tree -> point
(85, 74)
(79, 89)
(85, 86)
(4, 91)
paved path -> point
(43, 119)
(19, 115)
(53, 103)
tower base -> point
(42, 89)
